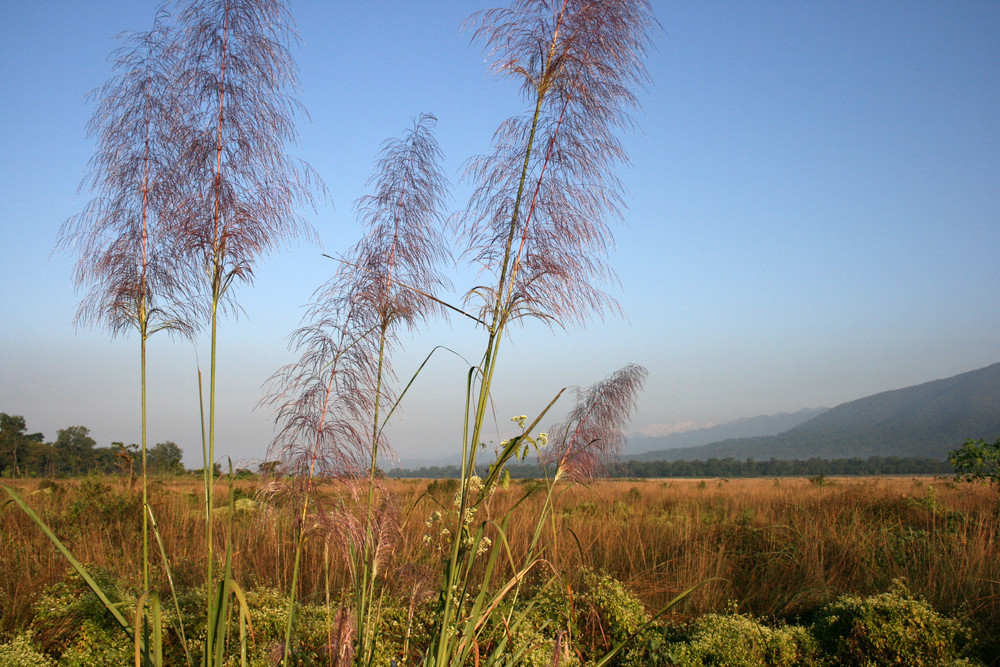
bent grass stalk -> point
(173, 589)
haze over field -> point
(813, 216)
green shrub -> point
(892, 628)
(737, 640)
(543, 632)
(22, 652)
(68, 611)
(978, 461)
(620, 615)
(97, 646)
(268, 616)
(99, 502)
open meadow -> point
(776, 550)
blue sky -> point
(814, 215)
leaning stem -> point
(375, 428)
(502, 304)
(300, 538)
(540, 91)
(504, 266)
(366, 570)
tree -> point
(164, 458)
(75, 449)
(13, 442)
(123, 459)
(978, 461)
(269, 467)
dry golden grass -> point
(777, 548)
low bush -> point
(22, 652)
(71, 623)
(610, 611)
(739, 640)
(891, 628)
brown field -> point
(775, 548)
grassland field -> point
(775, 549)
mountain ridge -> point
(746, 427)
(927, 420)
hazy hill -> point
(638, 444)
(741, 428)
(927, 420)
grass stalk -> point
(293, 591)
(443, 646)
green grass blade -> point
(245, 622)
(137, 632)
(157, 629)
(412, 380)
(413, 289)
(513, 445)
(222, 609)
(153, 599)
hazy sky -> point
(814, 215)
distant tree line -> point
(730, 467)
(74, 452)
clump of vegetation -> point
(818, 480)
(21, 651)
(73, 624)
(891, 628)
(620, 617)
(442, 488)
(740, 640)
(978, 461)
(99, 502)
